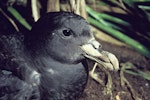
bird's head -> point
(65, 37)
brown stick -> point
(53, 5)
(10, 20)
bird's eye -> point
(67, 33)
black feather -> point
(45, 64)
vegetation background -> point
(122, 26)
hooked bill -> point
(107, 59)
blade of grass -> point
(10, 20)
(106, 20)
(102, 16)
(133, 70)
(139, 73)
(113, 19)
(144, 7)
(135, 44)
(21, 20)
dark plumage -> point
(48, 62)
(48, 58)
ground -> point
(140, 86)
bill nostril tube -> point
(96, 44)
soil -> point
(139, 85)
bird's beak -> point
(93, 51)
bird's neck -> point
(51, 66)
(59, 78)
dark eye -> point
(67, 32)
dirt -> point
(139, 85)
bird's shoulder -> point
(11, 42)
(11, 49)
(11, 87)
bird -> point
(50, 61)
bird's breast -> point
(63, 81)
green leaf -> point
(15, 13)
(101, 17)
(135, 44)
(131, 69)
